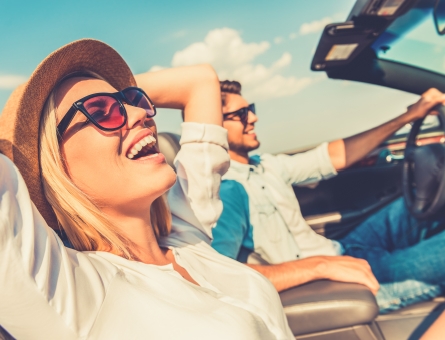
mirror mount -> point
(439, 16)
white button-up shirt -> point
(274, 227)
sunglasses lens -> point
(244, 115)
(139, 99)
(106, 111)
(252, 108)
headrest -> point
(169, 146)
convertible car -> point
(397, 44)
(394, 44)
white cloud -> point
(233, 59)
(277, 86)
(285, 60)
(221, 48)
(293, 36)
(11, 81)
(278, 40)
(156, 68)
(314, 26)
(179, 34)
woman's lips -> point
(155, 158)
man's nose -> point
(252, 118)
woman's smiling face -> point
(108, 166)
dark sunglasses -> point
(241, 114)
(106, 110)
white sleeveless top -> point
(48, 291)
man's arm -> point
(345, 152)
(233, 227)
(336, 268)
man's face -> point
(242, 137)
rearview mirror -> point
(439, 16)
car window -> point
(338, 109)
(412, 39)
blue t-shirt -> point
(233, 234)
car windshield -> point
(412, 39)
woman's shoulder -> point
(8, 171)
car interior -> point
(334, 310)
(359, 50)
(371, 47)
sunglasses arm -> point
(65, 122)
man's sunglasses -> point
(106, 110)
(241, 114)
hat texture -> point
(20, 119)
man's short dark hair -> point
(229, 86)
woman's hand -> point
(193, 89)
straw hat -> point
(19, 121)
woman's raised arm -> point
(194, 89)
(203, 159)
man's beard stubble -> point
(241, 148)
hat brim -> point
(20, 119)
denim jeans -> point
(409, 265)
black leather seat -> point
(327, 305)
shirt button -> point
(298, 256)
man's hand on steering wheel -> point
(423, 177)
(428, 100)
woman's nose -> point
(135, 116)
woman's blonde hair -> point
(85, 225)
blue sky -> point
(268, 45)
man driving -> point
(262, 225)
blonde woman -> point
(81, 133)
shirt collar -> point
(246, 169)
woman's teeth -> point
(138, 147)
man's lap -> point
(390, 228)
(393, 296)
(409, 267)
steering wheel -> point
(424, 173)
